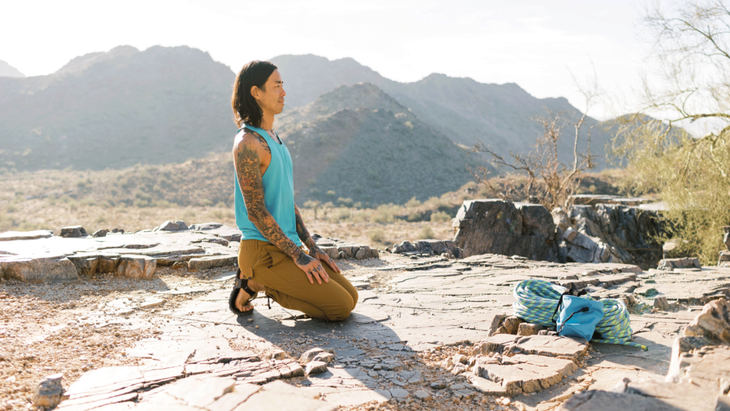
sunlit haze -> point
(536, 44)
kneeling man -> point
(271, 257)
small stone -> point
(324, 356)
(713, 322)
(315, 367)
(310, 355)
(527, 329)
(362, 254)
(423, 395)
(438, 385)
(460, 359)
(49, 392)
(399, 393)
(506, 401)
(660, 303)
(512, 324)
(136, 266)
(73, 231)
(173, 225)
(100, 233)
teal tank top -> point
(278, 181)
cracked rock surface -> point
(419, 338)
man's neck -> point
(267, 122)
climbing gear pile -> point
(537, 300)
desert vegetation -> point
(692, 52)
(142, 197)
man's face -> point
(271, 98)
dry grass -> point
(56, 199)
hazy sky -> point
(534, 43)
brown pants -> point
(289, 286)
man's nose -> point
(283, 92)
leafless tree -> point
(550, 182)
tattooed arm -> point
(314, 251)
(248, 151)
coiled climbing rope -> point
(536, 301)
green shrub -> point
(340, 214)
(415, 216)
(345, 202)
(440, 217)
(377, 235)
(384, 213)
(425, 233)
(412, 203)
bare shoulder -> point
(249, 141)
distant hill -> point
(362, 95)
(374, 156)
(6, 70)
(117, 109)
(500, 115)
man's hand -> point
(323, 257)
(311, 267)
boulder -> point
(502, 227)
(73, 231)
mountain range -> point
(350, 130)
(6, 70)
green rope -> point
(536, 301)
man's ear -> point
(255, 91)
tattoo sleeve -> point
(304, 234)
(248, 170)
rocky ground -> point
(418, 339)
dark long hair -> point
(245, 108)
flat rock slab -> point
(647, 396)
(523, 373)
(690, 287)
(546, 345)
(707, 367)
(25, 235)
(28, 255)
(39, 269)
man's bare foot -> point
(244, 296)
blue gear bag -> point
(578, 316)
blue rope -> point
(536, 301)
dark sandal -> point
(241, 284)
